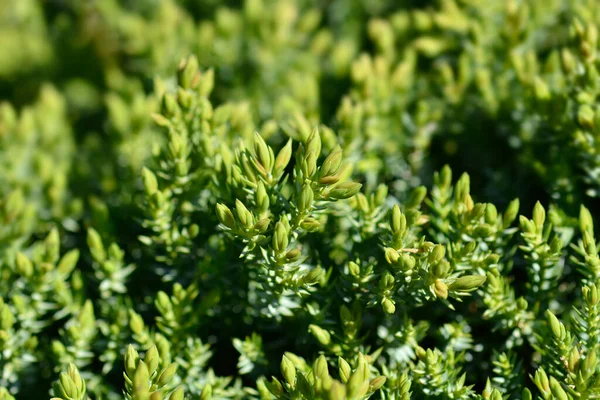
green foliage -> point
(258, 199)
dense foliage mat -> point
(299, 199)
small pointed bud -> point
(163, 303)
(511, 213)
(388, 306)
(491, 213)
(440, 289)
(293, 255)
(263, 152)
(66, 387)
(320, 334)
(398, 220)
(283, 159)
(296, 360)
(483, 231)
(590, 295)
(416, 197)
(193, 231)
(52, 245)
(131, 360)
(207, 392)
(206, 82)
(94, 242)
(70, 385)
(487, 391)
(141, 380)
(363, 203)
(478, 210)
(568, 61)
(586, 222)
(320, 368)
(407, 262)
(445, 177)
(150, 182)
(280, 238)
(555, 324)
(527, 226)
(470, 247)
(313, 276)
(244, 216)
(7, 319)
(262, 198)
(310, 224)
(309, 164)
(68, 262)
(288, 371)
(337, 391)
(522, 304)
(160, 120)
(587, 51)
(437, 253)
(304, 387)
(345, 190)
(386, 283)
(591, 34)
(166, 375)
(274, 386)
(332, 163)
(24, 265)
(313, 144)
(77, 381)
(404, 385)
(541, 89)
(556, 245)
(391, 255)
(573, 359)
(136, 323)
(557, 390)
(467, 283)
(362, 366)
(164, 348)
(305, 199)
(354, 268)
(152, 359)
(357, 385)
(441, 269)
(589, 364)
(225, 216)
(263, 390)
(381, 194)
(463, 188)
(177, 394)
(187, 74)
(262, 225)
(539, 215)
(376, 383)
(344, 369)
(589, 244)
(169, 105)
(184, 98)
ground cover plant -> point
(313, 199)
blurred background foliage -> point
(412, 85)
